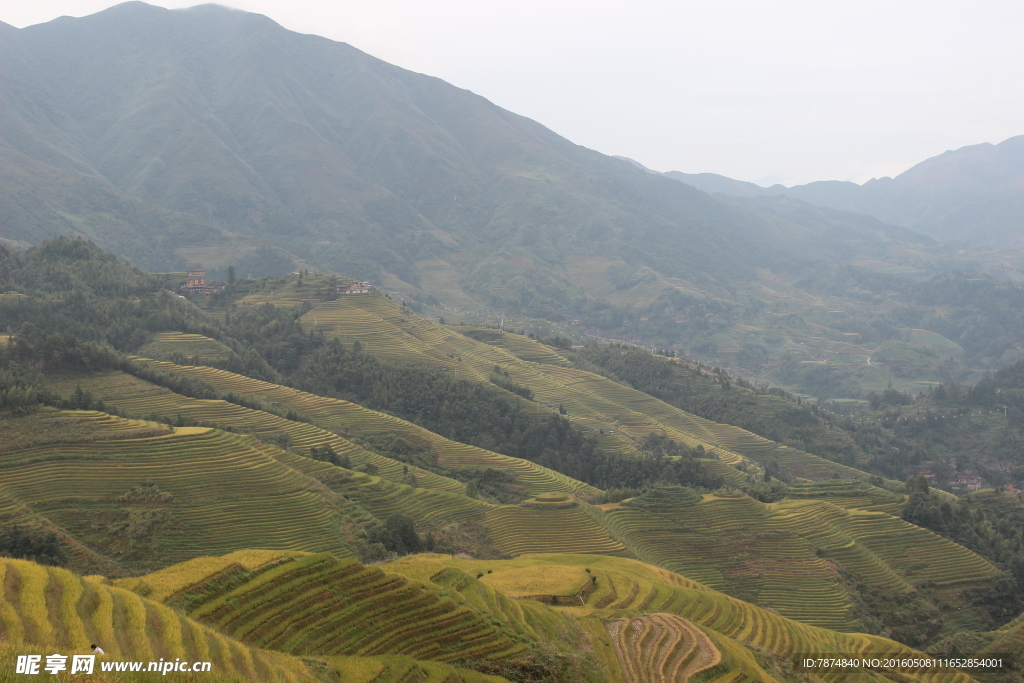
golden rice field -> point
(44, 610)
(530, 620)
(518, 530)
(382, 497)
(661, 648)
(399, 669)
(345, 417)
(520, 581)
(850, 494)
(51, 609)
(161, 585)
(320, 605)
(627, 589)
(138, 397)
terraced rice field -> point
(629, 588)
(783, 555)
(228, 492)
(920, 555)
(139, 397)
(166, 344)
(731, 475)
(518, 345)
(161, 585)
(530, 620)
(850, 494)
(528, 581)
(397, 669)
(1009, 640)
(383, 498)
(518, 530)
(319, 605)
(661, 648)
(341, 416)
(52, 608)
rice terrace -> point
(316, 369)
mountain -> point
(972, 194)
(213, 132)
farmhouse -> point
(355, 288)
(195, 282)
(969, 483)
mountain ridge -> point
(970, 194)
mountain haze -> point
(972, 194)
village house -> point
(195, 281)
(966, 483)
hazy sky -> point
(764, 90)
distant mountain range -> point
(972, 194)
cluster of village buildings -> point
(966, 482)
(196, 283)
(355, 288)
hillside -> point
(620, 415)
(127, 625)
(56, 610)
(625, 589)
(436, 594)
(164, 519)
(142, 499)
(757, 552)
(355, 430)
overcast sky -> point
(764, 90)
